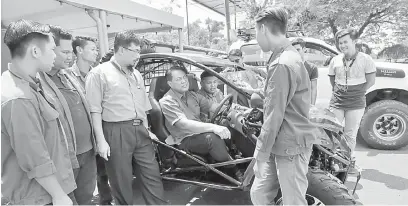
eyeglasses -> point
(133, 50)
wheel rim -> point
(389, 127)
(311, 200)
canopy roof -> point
(72, 15)
(219, 5)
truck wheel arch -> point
(396, 94)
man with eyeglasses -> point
(119, 104)
(181, 109)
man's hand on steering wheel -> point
(222, 108)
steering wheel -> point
(218, 112)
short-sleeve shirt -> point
(32, 143)
(117, 93)
(176, 106)
(79, 75)
(213, 98)
(312, 70)
(362, 65)
(349, 91)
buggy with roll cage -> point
(329, 162)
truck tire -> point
(384, 125)
(324, 188)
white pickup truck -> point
(385, 122)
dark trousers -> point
(105, 196)
(85, 178)
(204, 144)
(128, 141)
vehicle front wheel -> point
(324, 189)
(384, 125)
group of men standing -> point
(56, 118)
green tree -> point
(208, 36)
(397, 51)
(323, 18)
(363, 15)
(214, 27)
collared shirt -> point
(79, 115)
(32, 143)
(349, 88)
(176, 106)
(58, 101)
(362, 65)
(213, 98)
(117, 93)
(79, 75)
(286, 129)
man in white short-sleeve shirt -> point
(351, 73)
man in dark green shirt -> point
(284, 145)
(68, 95)
(36, 168)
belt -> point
(135, 122)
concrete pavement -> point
(384, 182)
(384, 176)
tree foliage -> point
(397, 51)
(207, 35)
(203, 34)
(377, 21)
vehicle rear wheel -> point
(384, 125)
(324, 189)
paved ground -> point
(384, 182)
(384, 178)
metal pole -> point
(103, 15)
(94, 14)
(188, 29)
(235, 15)
(227, 19)
(180, 31)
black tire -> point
(396, 111)
(326, 188)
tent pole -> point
(103, 15)
(228, 21)
(180, 33)
(95, 17)
(235, 14)
(188, 29)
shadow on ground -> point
(391, 181)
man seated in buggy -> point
(209, 89)
(181, 106)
